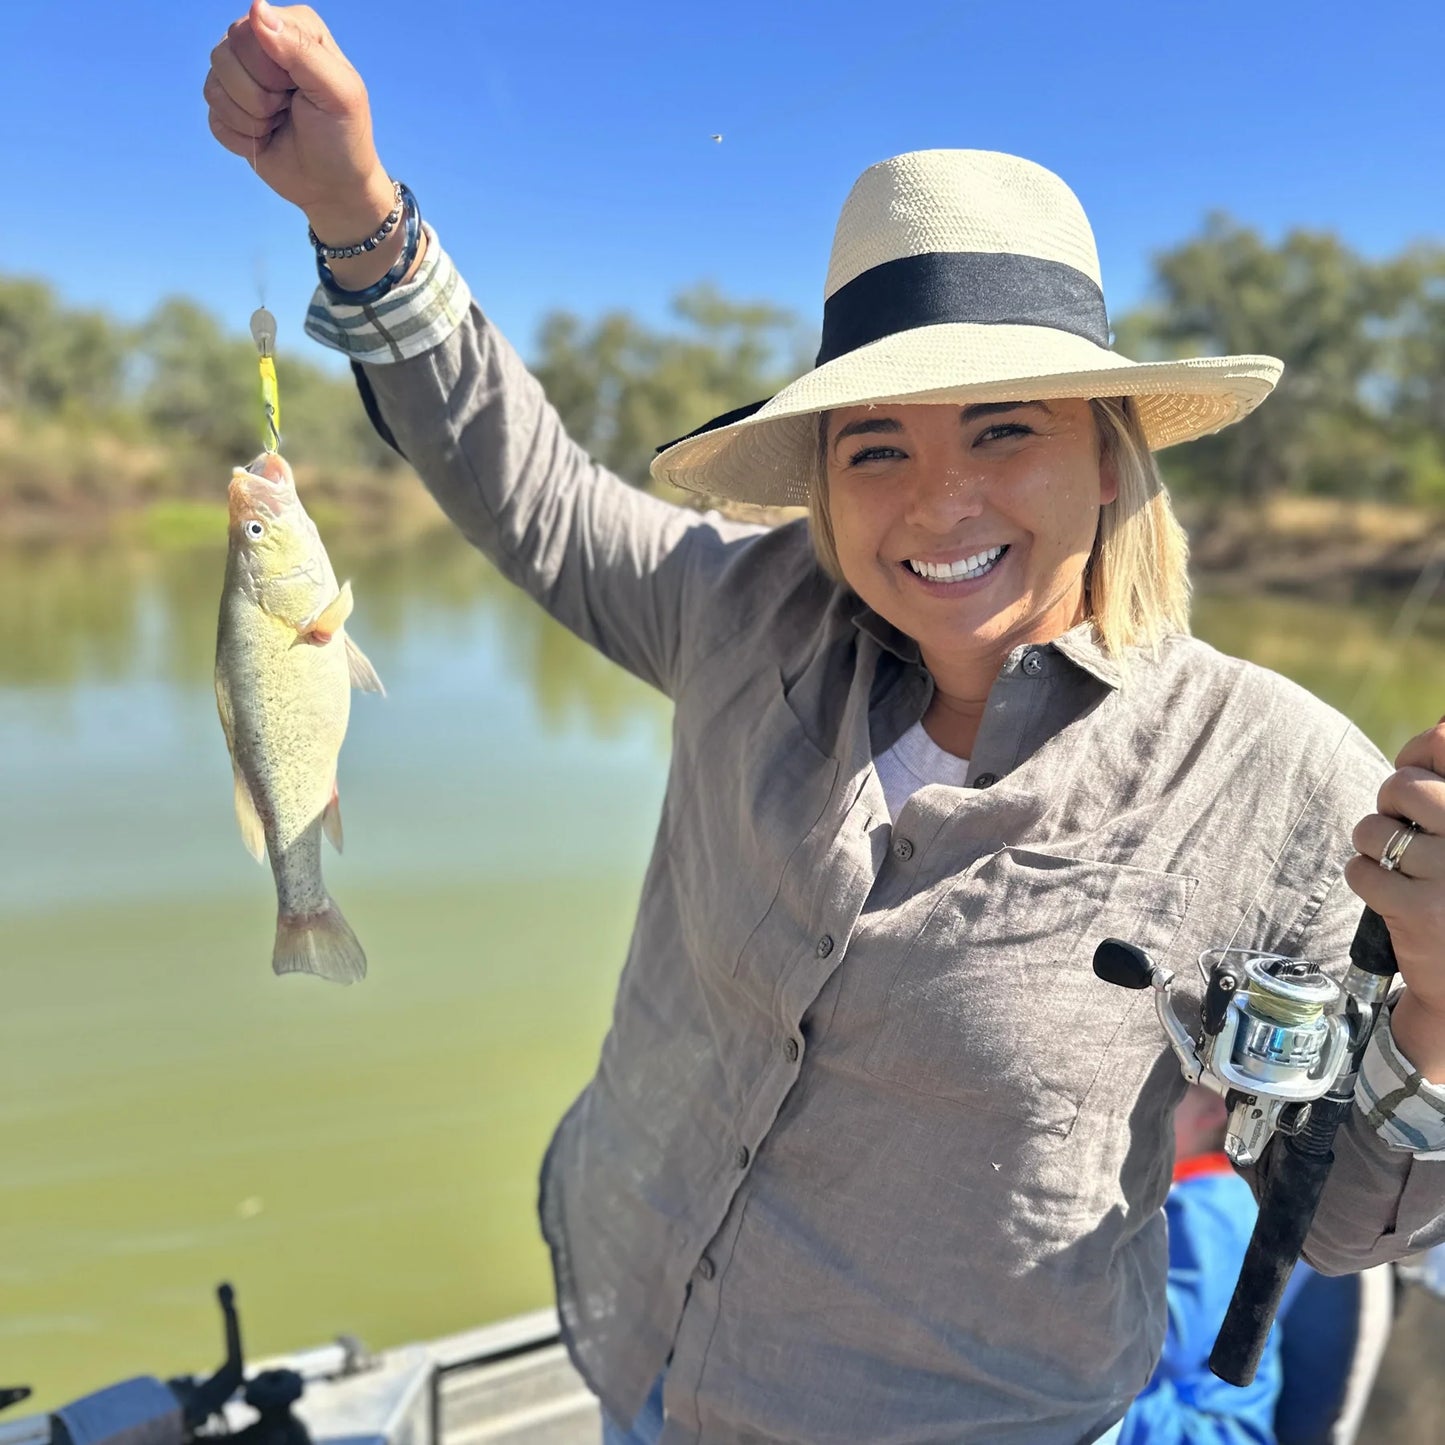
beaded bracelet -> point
(411, 236)
(340, 253)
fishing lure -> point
(263, 333)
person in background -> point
(1211, 1212)
(1321, 1357)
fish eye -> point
(255, 530)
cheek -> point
(1064, 510)
(847, 512)
(859, 529)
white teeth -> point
(967, 567)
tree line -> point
(1360, 411)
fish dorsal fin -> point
(330, 620)
(363, 674)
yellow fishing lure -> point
(263, 333)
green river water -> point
(357, 1160)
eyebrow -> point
(868, 424)
(992, 408)
(888, 424)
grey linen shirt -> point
(870, 1155)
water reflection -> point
(69, 613)
(109, 613)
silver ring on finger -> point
(1394, 852)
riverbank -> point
(91, 482)
(58, 486)
(1327, 547)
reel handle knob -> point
(1123, 964)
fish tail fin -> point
(320, 943)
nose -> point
(940, 497)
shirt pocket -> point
(737, 840)
(995, 1004)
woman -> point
(870, 1155)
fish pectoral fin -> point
(253, 835)
(331, 818)
(330, 620)
(363, 674)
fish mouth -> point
(265, 486)
(273, 467)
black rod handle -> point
(1286, 1210)
(1371, 948)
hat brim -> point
(768, 457)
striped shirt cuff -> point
(1404, 1108)
(406, 322)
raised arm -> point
(629, 573)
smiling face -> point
(967, 528)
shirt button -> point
(705, 1268)
(903, 850)
(790, 1050)
(1033, 663)
(985, 780)
(742, 1156)
(824, 946)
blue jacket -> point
(1210, 1214)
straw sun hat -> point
(957, 276)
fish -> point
(285, 669)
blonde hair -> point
(1136, 581)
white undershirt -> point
(912, 762)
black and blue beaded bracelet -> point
(411, 236)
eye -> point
(255, 530)
(873, 454)
(1004, 429)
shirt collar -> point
(1082, 647)
(1080, 644)
(883, 632)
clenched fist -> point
(282, 95)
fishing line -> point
(263, 333)
(1406, 620)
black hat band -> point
(984, 288)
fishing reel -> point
(1274, 1034)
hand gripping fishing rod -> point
(1283, 1043)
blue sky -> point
(564, 152)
